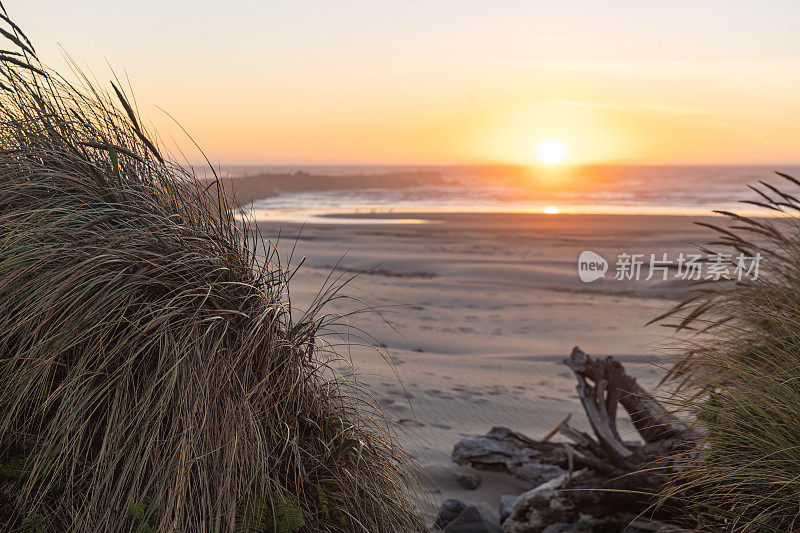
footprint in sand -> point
(550, 398)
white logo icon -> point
(591, 266)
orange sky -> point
(448, 82)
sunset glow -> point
(551, 151)
(419, 82)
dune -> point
(154, 379)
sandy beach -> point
(393, 267)
(482, 310)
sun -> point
(551, 151)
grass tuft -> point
(740, 376)
(153, 375)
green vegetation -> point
(153, 376)
(741, 377)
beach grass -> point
(740, 376)
(153, 375)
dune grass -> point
(741, 377)
(152, 375)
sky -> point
(435, 82)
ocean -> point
(687, 190)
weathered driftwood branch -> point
(603, 476)
(651, 419)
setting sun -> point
(551, 151)
(551, 210)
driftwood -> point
(595, 482)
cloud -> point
(661, 69)
(655, 108)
